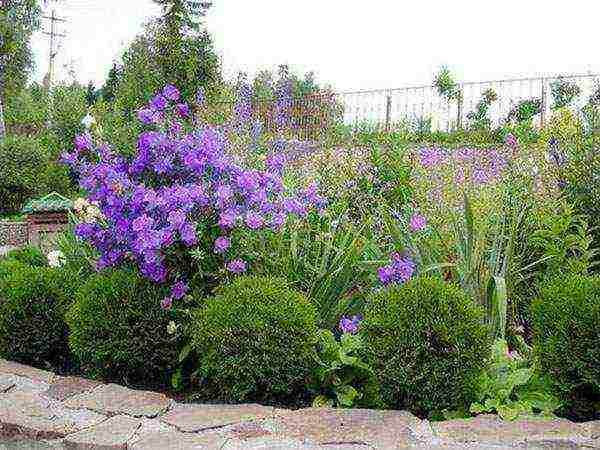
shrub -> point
(29, 256)
(32, 308)
(426, 342)
(21, 162)
(118, 330)
(256, 340)
(566, 323)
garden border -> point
(75, 413)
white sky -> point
(353, 44)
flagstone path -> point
(41, 410)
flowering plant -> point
(176, 208)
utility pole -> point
(51, 55)
(53, 52)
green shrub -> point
(33, 301)
(256, 342)
(21, 163)
(118, 330)
(29, 256)
(566, 323)
(426, 342)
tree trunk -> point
(2, 126)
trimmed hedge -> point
(118, 330)
(566, 326)
(256, 342)
(427, 344)
(33, 301)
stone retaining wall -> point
(39, 409)
(13, 234)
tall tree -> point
(18, 20)
(181, 15)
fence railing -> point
(417, 106)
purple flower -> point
(430, 157)
(511, 141)
(350, 325)
(146, 116)
(254, 221)
(276, 162)
(417, 222)
(183, 110)
(178, 290)
(237, 266)
(171, 92)
(222, 243)
(200, 97)
(83, 142)
(158, 102)
(166, 302)
(399, 271)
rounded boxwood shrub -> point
(256, 342)
(427, 344)
(33, 301)
(566, 340)
(118, 330)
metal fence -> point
(420, 106)
(385, 108)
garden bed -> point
(67, 412)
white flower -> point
(56, 258)
(80, 204)
(88, 121)
(171, 327)
(92, 213)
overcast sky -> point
(352, 44)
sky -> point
(351, 44)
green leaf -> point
(184, 353)
(519, 377)
(478, 408)
(321, 401)
(497, 302)
(177, 379)
(346, 395)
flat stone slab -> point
(489, 429)
(65, 387)
(591, 429)
(193, 418)
(380, 429)
(180, 441)
(21, 370)
(113, 433)
(112, 399)
(25, 415)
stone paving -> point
(41, 410)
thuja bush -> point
(21, 162)
(427, 343)
(178, 207)
(119, 332)
(256, 342)
(566, 323)
(33, 301)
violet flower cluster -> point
(178, 185)
(399, 271)
(350, 325)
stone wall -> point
(13, 234)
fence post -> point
(459, 107)
(388, 112)
(543, 106)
